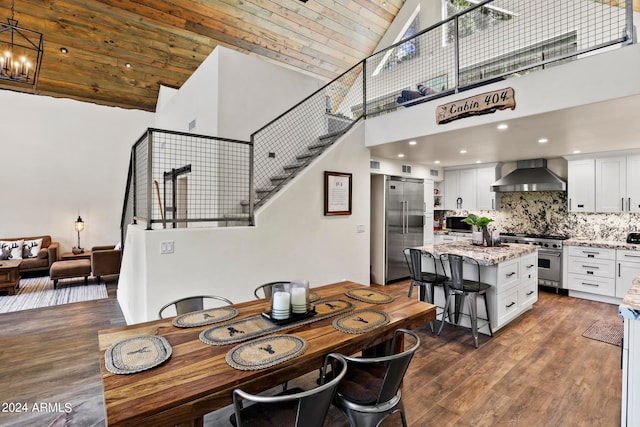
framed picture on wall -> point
(337, 193)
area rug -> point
(609, 331)
(38, 292)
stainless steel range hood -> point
(530, 175)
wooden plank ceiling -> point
(166, 40)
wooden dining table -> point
(196, 379)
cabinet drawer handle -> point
(631, 256)
(590, 266)
(511, 274)
(590, 284)
(529, 293)
(531, 265)
(510, 305)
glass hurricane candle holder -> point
(280, 301)
(299, 296)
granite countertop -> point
(485, 255)
(608, 244)
(630, 307)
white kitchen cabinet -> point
(611, 184)
(608, 183)
(486, 199)
(444, 238)
(628, 263)
(515, 289)
(581, 185)
(428, 235)
(460, 189)
(448, 238)
(591, 270)
(633, 183)
(428, 195)
(469, 188)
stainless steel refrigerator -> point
(404, 222)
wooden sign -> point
(484, 103)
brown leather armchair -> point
(105, 261)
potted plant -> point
(480, 230)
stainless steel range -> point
(549, 255)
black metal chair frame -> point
(460, 289)
(427, 281)
(389, 398)
(190, 304)
(266, 289)
(312, 405)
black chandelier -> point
(20, 55)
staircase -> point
(289, 171)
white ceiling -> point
(603, 126)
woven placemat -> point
(256, 326)
(369, 295)
(136, 354)
(265, 352)
(313, 296)
(361, 321)
(205, 317)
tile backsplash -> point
(545, 212)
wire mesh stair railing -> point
(486, 42)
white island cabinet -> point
(630, 311)
(511, 271)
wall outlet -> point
(360, 228)
(166, 247)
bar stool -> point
(460, 289)
(428, 281)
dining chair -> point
(265, 290)
(295, 407)
(189, 304)
(370, 391)
(460, 288)
(416, 259)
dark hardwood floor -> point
(538, 371)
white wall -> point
(62, 157)
(231, 95)
(253, 92)
(292, 239)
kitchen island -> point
(629, 310)
(511, 270)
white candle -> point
(281, 303)
(299, 300)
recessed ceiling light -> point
(127, 65)
(463, 151)
(412, 142)
(64, 50)
(478, 161)
(437, 162)
(503, 126)
(576, 151)
(543, 140)
(400, 155)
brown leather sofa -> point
(47, 255)
(105, 261)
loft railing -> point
(178, 178)
(487, 41)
